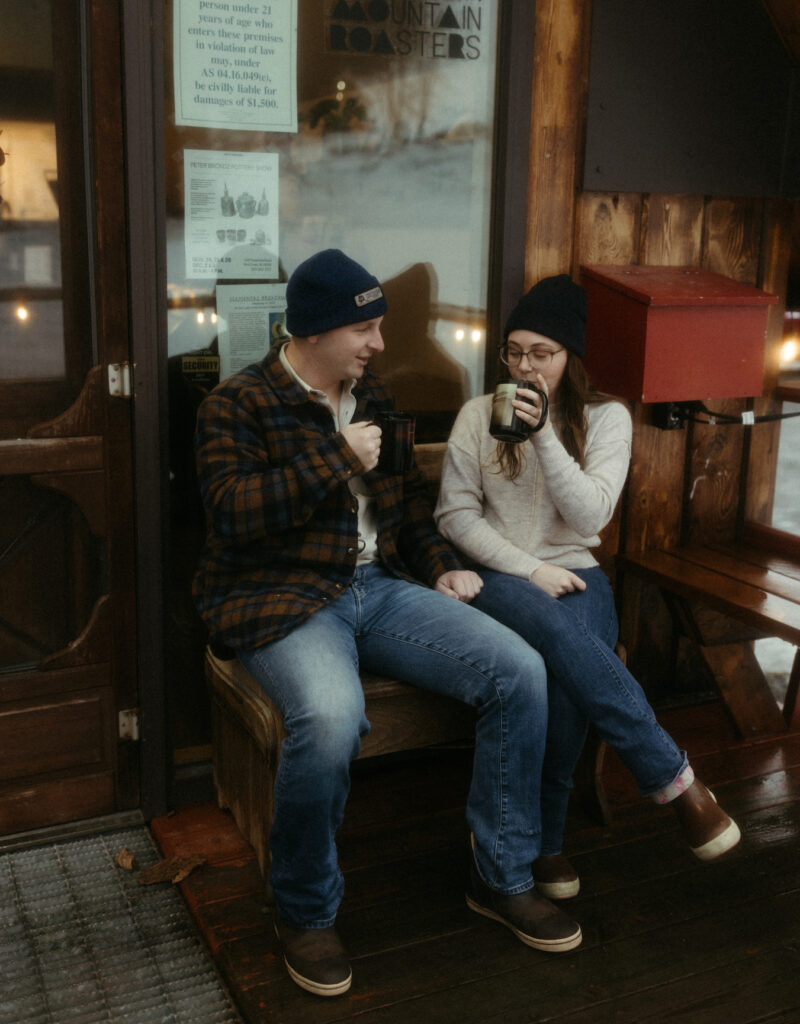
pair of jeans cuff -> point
(676, 788)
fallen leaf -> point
(187, 870)
(173, 869)
(126, 859)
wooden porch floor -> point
(666, 939)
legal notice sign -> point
(235, 64)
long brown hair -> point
(575, 392)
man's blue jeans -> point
(576, 634)
(387, 625)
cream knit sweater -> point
(552, 512)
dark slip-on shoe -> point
(555, 877)
(531, 917)
(315, 959)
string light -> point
(790, 351)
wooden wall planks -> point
(672, 230)
(684, 485)
(558, 114)
(696, 484)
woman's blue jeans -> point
(387, 625)
(576, 634)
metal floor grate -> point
(83, 942)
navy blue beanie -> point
(556, 308)
(330, 290)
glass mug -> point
(397, 441)
(505, 425)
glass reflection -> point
(392, 162)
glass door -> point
(293, 127)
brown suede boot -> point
(555, 877)
(710, 831)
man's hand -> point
(365, 440)
(555, 581)
(462, 584)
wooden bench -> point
(248, 731)
(724, 596)
(247, 728)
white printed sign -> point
(251, 318)
(236, 64)
(231, 224)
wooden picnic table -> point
(756, 583)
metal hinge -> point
(129, 724)
(119, 380)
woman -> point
(528, 515)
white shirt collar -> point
(347, 388)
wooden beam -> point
(560, 89)
(791, 706)
(761, 443)
(48, 455)
(744, 689)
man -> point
(317, 562)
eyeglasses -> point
(512, 356)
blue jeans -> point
(387, 625)
(576, 634)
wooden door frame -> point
(143, 114)
(507, 254)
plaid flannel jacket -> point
(282, 525)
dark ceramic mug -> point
(505, 425)
(397, 441)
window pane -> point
(43, 537)
(31, 319)
(785, 510)
(391, 162)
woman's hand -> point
(463, 584)
(555, 581)
(530, 410)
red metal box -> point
(673, 334)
